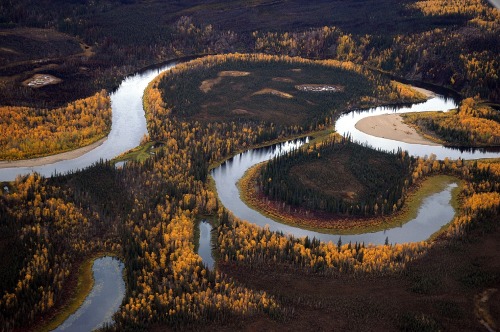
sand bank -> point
(391, 126)
(53, 158)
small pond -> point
(205, 244)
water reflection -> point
(345, 125)
(435, 211)
(127, 129)
(205, 246)
(104, 299)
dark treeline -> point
(457, 50)
(385, 177)
(52, 227)
(146, 213)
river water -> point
(129, 126)
(435, 211)
(346, 125)
(205, 244)
(104, 299)
(127, 129)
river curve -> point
(127, 128)
(104, 299)
(346, 125)
(434, 212)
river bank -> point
(339, 224)
(53, 158)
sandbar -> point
(391, 126)
(52, 158)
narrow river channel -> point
(104, 299)
(346, 125)
(129, 126)
(205, 244)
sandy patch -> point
(427, 93)
(39, 80)
(319, 88)
(273, 92)
(207, 85)
(391, 126)
(52, 159)
(8, 50)
(283, 79)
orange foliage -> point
(30, 132)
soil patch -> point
(208, 84)
(233, 73)
(40, 80)
(240, 111)
(283, 79)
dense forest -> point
(252, 245)
(145, 212)
(407, 39)
(339, 177)
(263, 91)
(35, 132)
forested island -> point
(247, 75)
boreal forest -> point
(275, 165)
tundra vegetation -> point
(146, 212)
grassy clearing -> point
(139, 153)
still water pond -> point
(205, 244)
(104, 299)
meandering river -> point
(127, 128)
(346, 125)
(434, 212)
